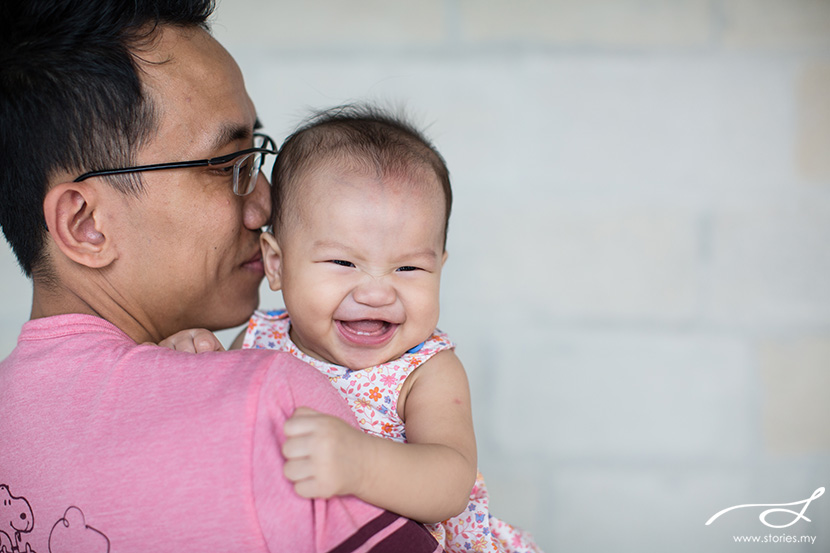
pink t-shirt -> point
(106, 445)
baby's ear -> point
(271, 259)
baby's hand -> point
(194, 340)
(323, 454)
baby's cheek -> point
(428, 313)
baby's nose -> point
(374, 292)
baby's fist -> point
(323, 454)
(194, 340)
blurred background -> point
(639, 270)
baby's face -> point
(359, 266)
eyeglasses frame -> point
(184, 164)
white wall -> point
(639, 272)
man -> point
(130, 192)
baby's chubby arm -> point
(427, 479)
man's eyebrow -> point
(232, 132)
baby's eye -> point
(407, 268)
(342, 263)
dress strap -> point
(417, 348)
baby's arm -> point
(427, 479)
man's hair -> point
(361, 137)
(71, 99)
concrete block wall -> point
(639, 271)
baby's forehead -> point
(328, 186)
(328, 173)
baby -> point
(361, 202)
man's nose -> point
(374, 292)
(257, 206)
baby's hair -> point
(364, 138)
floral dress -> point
(373, 396)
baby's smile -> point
(366, 332)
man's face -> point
(188, 246)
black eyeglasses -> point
(245, 165)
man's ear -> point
(72, 215)
(271, 259)
(444, 259)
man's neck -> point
(49, 300)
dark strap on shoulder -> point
(390, 533)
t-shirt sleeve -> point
(292, 523)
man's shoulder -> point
(275, 368)
(305, 383)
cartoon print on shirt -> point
(15, 517)
(72, 534)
